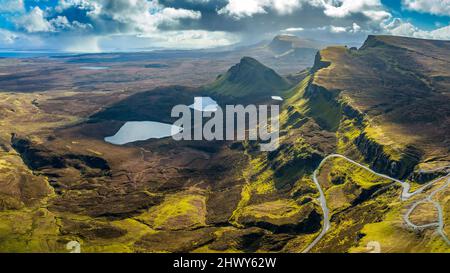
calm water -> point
(204, 104)
(133, 131)
(278, 98)
(31, 54)
(94, 67)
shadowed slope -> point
(401, 84)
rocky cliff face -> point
(346, 87)
(319, 63)
(329, 111)
(39, 158)
(373, 152)
(382, 162)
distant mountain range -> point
(351, 127)
(283, 43)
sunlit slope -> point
(401, 86)
(385, 107)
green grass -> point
(248, 78)
(363, 178)
(179, 211)
(394, 237)
(278, 209)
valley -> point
(364, 151)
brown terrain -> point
(385, 105)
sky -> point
(132, 25)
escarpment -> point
(382, 162)
(332, 106)
(319, 63)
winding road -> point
(406, 194)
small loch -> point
(94, 67)
(204, 104)
(133, 131)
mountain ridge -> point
(248, 78)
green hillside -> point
(248, 78)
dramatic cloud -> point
(438, 7)
(239, 8)
(343, 8)
(95, 25)
(125, 16)
(400, 28)
(331, 8)
(34, 21)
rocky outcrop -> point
(319, 63)
(250, 240)
(291, 161)
(382, 162)
(314, 90)
(38, 158)
(307, 220)
(175, 241)
(423, 177)
(328, 109)
(352, 113)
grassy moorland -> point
(385, 106)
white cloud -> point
(191, 39)
(130, 16)
(62, 23)
(355, 28)
(438, 7)
(239, 8)
(7, 37)
(246, 8)
(372, 9)
(11, 6)
(377, 15)
(173, 15)
(92, 7)
(442, 33)
(156, 24)
(16, 40)
(294, 29)
(286, 6)
(342, 8)
(335, 29)
(34, 21)
(120, 16)
(400, 28)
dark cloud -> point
(220, 21)
(211, 5)
(262, 26)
